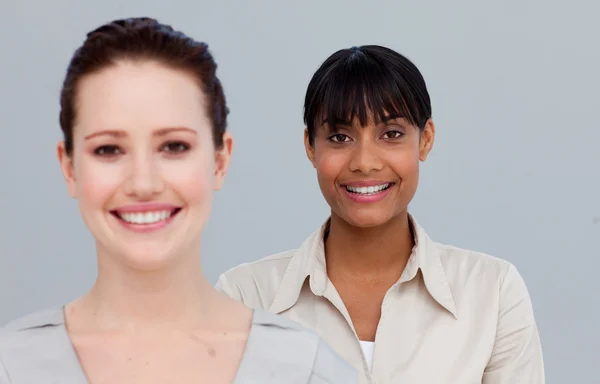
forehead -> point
(139, 95)
(372, 121)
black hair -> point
(366, 82)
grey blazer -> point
(36, 349)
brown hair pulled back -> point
(136, 39)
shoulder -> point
(29, 329)
(270, 267)
(303, 347)
(28, 340)
(265, 319)
(463, 262)
(463, 269)
(256, 283)
(477, 274)
(32, 321)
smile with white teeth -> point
(145, 217)
(371, 190)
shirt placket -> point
(332, 295)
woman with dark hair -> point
(399, 306)
(145, 145)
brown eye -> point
(107, 151)
(393, 135)
(339, 138)
(176, 147)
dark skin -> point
(369, 243)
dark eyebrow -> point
(159, 132)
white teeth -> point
(145, 217)
(368, 190)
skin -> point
(369, 244)
(142, 135)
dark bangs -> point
(366, 83)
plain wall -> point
(514, 171)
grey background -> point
(514, 171)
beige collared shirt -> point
(455, 316)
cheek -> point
(96, 182)
(191, 179)
(406, 164)
(329, 166)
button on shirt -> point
(455, 316)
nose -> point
(144, 180)
(365, 158)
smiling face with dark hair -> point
(368, 126)
(369, 174)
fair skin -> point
(370, 239)
(142, 136)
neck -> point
(371, 251)
(128, 298)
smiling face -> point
(143, 166)
(369, 174)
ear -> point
(427, 137)
(310, 149)
(222, 159)
(67, 168)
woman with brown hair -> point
(145, 145)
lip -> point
(146, 207)
(371, 198)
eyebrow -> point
(159, 132)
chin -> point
(148, 259)
(366, 220)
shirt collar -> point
(308, 262)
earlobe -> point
(427, 139)
(310, 149)
(222, 159)
(65, 161)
